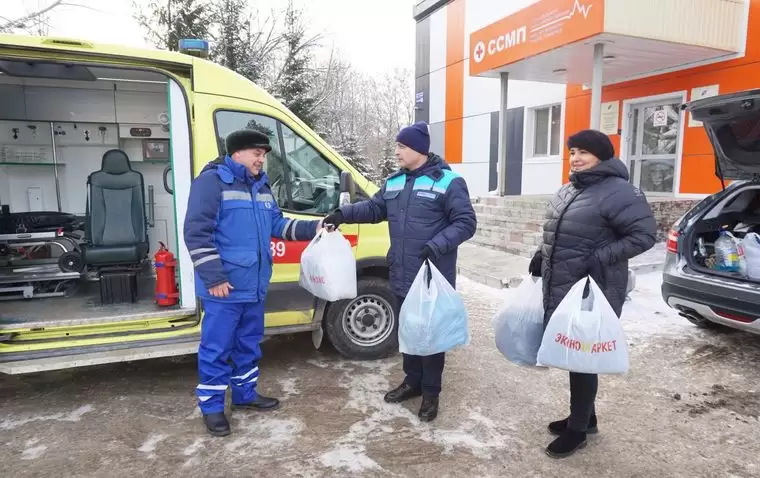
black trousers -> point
(583, 388)
(424, 373)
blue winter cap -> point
(416, 137)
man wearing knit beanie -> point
(416, 138)
(429, 215)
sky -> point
(374, 40)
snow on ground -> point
(688, 407)
(647, 313)
(644, 314)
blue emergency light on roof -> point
(194, 47)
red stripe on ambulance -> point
(289, 252)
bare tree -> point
(361, 114)
(36, 21)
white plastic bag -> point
(585, 335)
(328, 267)
(740, 253)
(433, 317)
(751, 245)
(519, 325)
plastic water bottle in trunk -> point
(726, 252)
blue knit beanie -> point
(416, 137)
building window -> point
(546, 130)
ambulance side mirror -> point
(347, 188)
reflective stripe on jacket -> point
(231, 219)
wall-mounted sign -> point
(140, 132)
(419, 97)
(699, 93)
(608, 123)
(660, 118)
(536, 29)
(155, 149)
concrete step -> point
(508, 223)
(504, 245)
(517, 212)
(490, 267)
(538, 206)
(528, 201)
(529, 238)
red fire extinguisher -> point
(166, 286)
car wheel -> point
(366, 327)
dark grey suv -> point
(702, 294)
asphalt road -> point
(688, 407)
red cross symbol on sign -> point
(480, 51)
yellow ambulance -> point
(98, 147)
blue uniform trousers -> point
(229, 331)
(423, 373)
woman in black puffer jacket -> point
(594, 225)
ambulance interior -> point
(85, 189)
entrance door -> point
(653, 144)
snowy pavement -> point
(688, 407)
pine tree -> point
(232, 29)
(294, 84)
(169, 21)
(244, 40)
(388, 164)
(351, 151)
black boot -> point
(555, 428)
(568, 443)
(260, 403)
(402, 393)
(429, 409)
(217, 424)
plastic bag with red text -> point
(584, 335)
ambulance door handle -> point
(151, 207)
(168, 189)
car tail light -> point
(736, 317)
(672, 243)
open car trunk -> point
(86, 172)
(732, 123)
(738, 213)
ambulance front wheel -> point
(366, 327)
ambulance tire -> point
(365, 328)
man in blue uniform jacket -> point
(429, 215)
(231, 218)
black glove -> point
(535, 265)
(335, 219)
(427, 253)
(595, 270)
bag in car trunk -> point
(723, 237)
